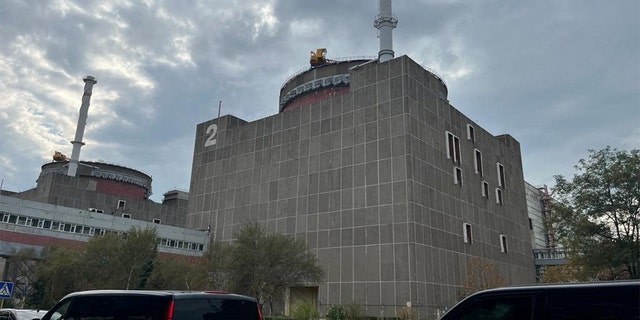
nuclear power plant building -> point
(394, 189)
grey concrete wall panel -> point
(364, 178)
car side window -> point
(215, 309)
(498, 308)
(620, 303)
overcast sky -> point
(561, 77)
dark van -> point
(619, 300)
(154, 305)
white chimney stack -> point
(385, 22)
(77, 143)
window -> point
(498, 196)
(530, 224)
(126, 215)
(471, 134)
(485, 189)
(156, 221)
(457, 176)
(497, 307)
(121, 204)
(478, 162)
(96, 210)
(453, 147)
(501, 179)
(466, 232)
(594, 303)
(503, 243)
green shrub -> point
(304, 311)
(407, 313)
(335, 312)
(353, 311)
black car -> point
(154, 305)
(619, 300)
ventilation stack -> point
(77, 143)
(385, 22)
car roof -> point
(161, 293)
(562, 286)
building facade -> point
(101, 198)
(107, 188)
(546, 251)
(390, 186)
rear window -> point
(111, 308)
(215, 309)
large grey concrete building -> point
(392, 187)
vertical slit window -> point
(121, 204)
(478, 162)
(501, 177)
(498, 196)
(453, 147)
(485, 189)
(503, 243)
(457, 176)
(466, 231)
(471, 135)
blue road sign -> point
(6, 289)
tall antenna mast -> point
(385, 22)
(77, 143)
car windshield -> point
(105, 307)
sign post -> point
(6, 289)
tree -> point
(597, 214)
(265, 265)
(215, 265)
(57, 274)
(110, 261)
(20, 268)
(114, 261)
(177, 274)
(481, 275)
(567, 272)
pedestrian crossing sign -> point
(6, 289)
